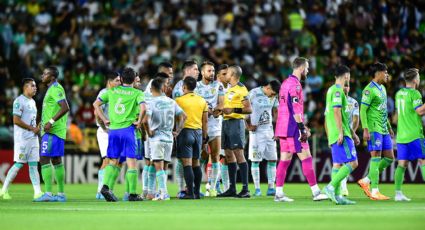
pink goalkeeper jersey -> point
(291, 101)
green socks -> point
(60, 177)
(339, 175)
(423, 172)
(46, 173)
(131, 176)
(399, 177)
(374, 171)
(111, 175)
(384, 163)
(115, 175)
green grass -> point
(82, 211)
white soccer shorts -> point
(102, 140)
(262, 146)
(160, 150)
(27, 151)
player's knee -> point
(56, 160)
(403, 163)
(354, 164)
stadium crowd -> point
(87, 38)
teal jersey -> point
(374, 96)
(409, 124)
(55, 94)
(335, 98)
(124, 104)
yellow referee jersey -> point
(233, 99)
(194, 106)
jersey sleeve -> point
(417, 100)
(140, 98)
(275, 102)
(220, 90)
(18, 108)
(58, 95)
(366, 97)
(336, 99)
(177, 108)
(295, 97)
(356, 111)
(104, 97)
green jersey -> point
(55, 94)
(335, 98)
(409, 125)
(124, 104)
(374, 97)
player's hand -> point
(106, 122)
(47, 127)
(366, 135)
(340, 139)
(35, 130)
(137, 124)
(217, 112)
(175, 134)
(308, 132)
(275, 138)
(151, 133)
(303, 135)
(227, 110)
(391, 133)
(356, 139)
(251, 128)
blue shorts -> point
(139, 152)
(122, 143)
(346, 152)
(379, 142)
(52, 146)
(411, 151)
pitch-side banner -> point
(83, 168)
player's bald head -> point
(236, 71)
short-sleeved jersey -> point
(210, 92)
(353, 108)
(55, 94)
(148, 93)
(162, 111)
(26, 109)
(375, 97)
(178, 90)
(124, 104)
(409, 124)
(105, 106)
(291, 102)
(194, 106)
(335, 98)
(262, 107)
(233, 99)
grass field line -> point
(112, 209)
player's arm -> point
(180, 119)
(64, 108)
(338, 121)
(19, 122)
(356, 114)
(249, 125)
(145, 123)
(219, 108)
(205, 127)
(363, 120)
(98, 111)
(420, 110)
(142, 113)
(390, 128)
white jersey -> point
(26, 109)
(353, 107)
(262, 106)
(148, 93)
(210, 92)
(104, 106)
(161, 111)
(178, 90)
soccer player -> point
(149, 173)
(25, 139)
(112, 80)
(292, 132)
(262, 144)
(159, 124)
(190, 69)
(341, 137)
(236, 106)
(126, 102)
(192, 137)
(410, 138)
(353, 107)
(223, 79)
(212, 91)
(53, 134)
(376, 130)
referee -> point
(236, 105)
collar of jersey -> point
(377, 86)
(338, 85)
(54, 83)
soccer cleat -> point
(271, 191)
(99, 196)
(257, 192)
(218, 188)
(201, 195)
(330, 192)
(228, 193)
(125, 197)
(36, 196)
(213, 193)
(401, 197)
(244, 194)
(134, 197)
(379, 196)
(144, 194)
(282, 198)
(150, 196)
(159, 197)
(187, 197)
(60, 198)
(344, 201)
(320, 196)
(365, 187)
(207, 189)
(45, 198)
(108, 194)
(344, 191)
(5, 195)
(181, 194)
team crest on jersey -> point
(366, 92)
(298, 88)
(337, 94)
(60, 94)
(230, 96)
(213, 91)
(356, 104)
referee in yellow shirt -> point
(192, 137)
(236, 105)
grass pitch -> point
(82, 211)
